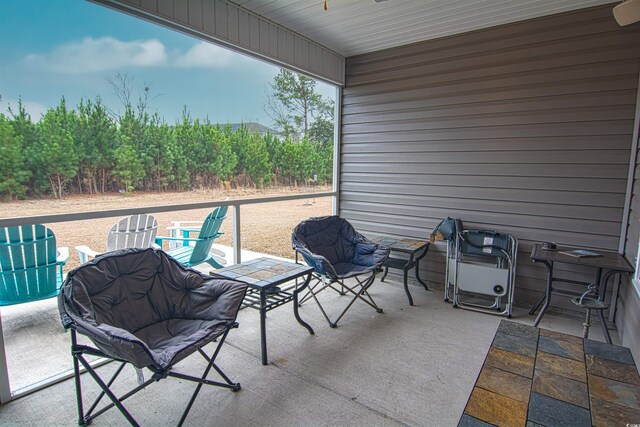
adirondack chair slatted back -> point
(136, 231)
(29, 270)
(208, 233)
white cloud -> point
(94, 55)
(207, 55)
(35, 109)
(102, 54)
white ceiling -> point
(352, 27)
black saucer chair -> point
(140, 306)
(338, 252)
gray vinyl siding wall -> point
(524, 128)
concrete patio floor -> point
(407, 366)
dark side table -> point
(263, 277)
(415, 249)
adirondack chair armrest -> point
(160, 239)
(62, 255)
(85, 253)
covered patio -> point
(521, 118)
(407, 366)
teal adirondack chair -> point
(30, 264)
(200, 252)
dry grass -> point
(265, 227)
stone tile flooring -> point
(535, 377)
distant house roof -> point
(254, 127)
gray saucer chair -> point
(338, 252)
(142, 307)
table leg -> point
(386, 270)
(295, 305)
(605, 331)
(547, 292)
(602, 291)
(406, 285)
(418, 276)
(263, 328)
(537, 306)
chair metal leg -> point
(85, 418)
(362, 294)
(234, 386)
(406, 286)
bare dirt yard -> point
(265, 227)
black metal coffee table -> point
(415, 249)
(263, 276)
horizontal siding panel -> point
(454, 206)
(519, 130)
(507, 116)
(363, 113)
(516, 182)
(588, 142)
(613, 127)
(620, 157)
(491, 89)
(496, 194)
(420, 98)
(506, 170)
(410, 122)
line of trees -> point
(90, 150)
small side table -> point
(415, 249)
(262, 276)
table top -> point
(401, 245)
(264, 273)
(608, 260)
(535, 376)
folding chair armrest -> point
(318, 262)
(370, 253)
(219, 298)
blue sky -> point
(69, 47)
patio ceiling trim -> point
(236, 28)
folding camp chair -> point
(338, 252)
(142, 307)
(481, 268)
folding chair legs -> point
(85, 418)
(359, 291)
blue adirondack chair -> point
(200, 252)
(30, 264)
